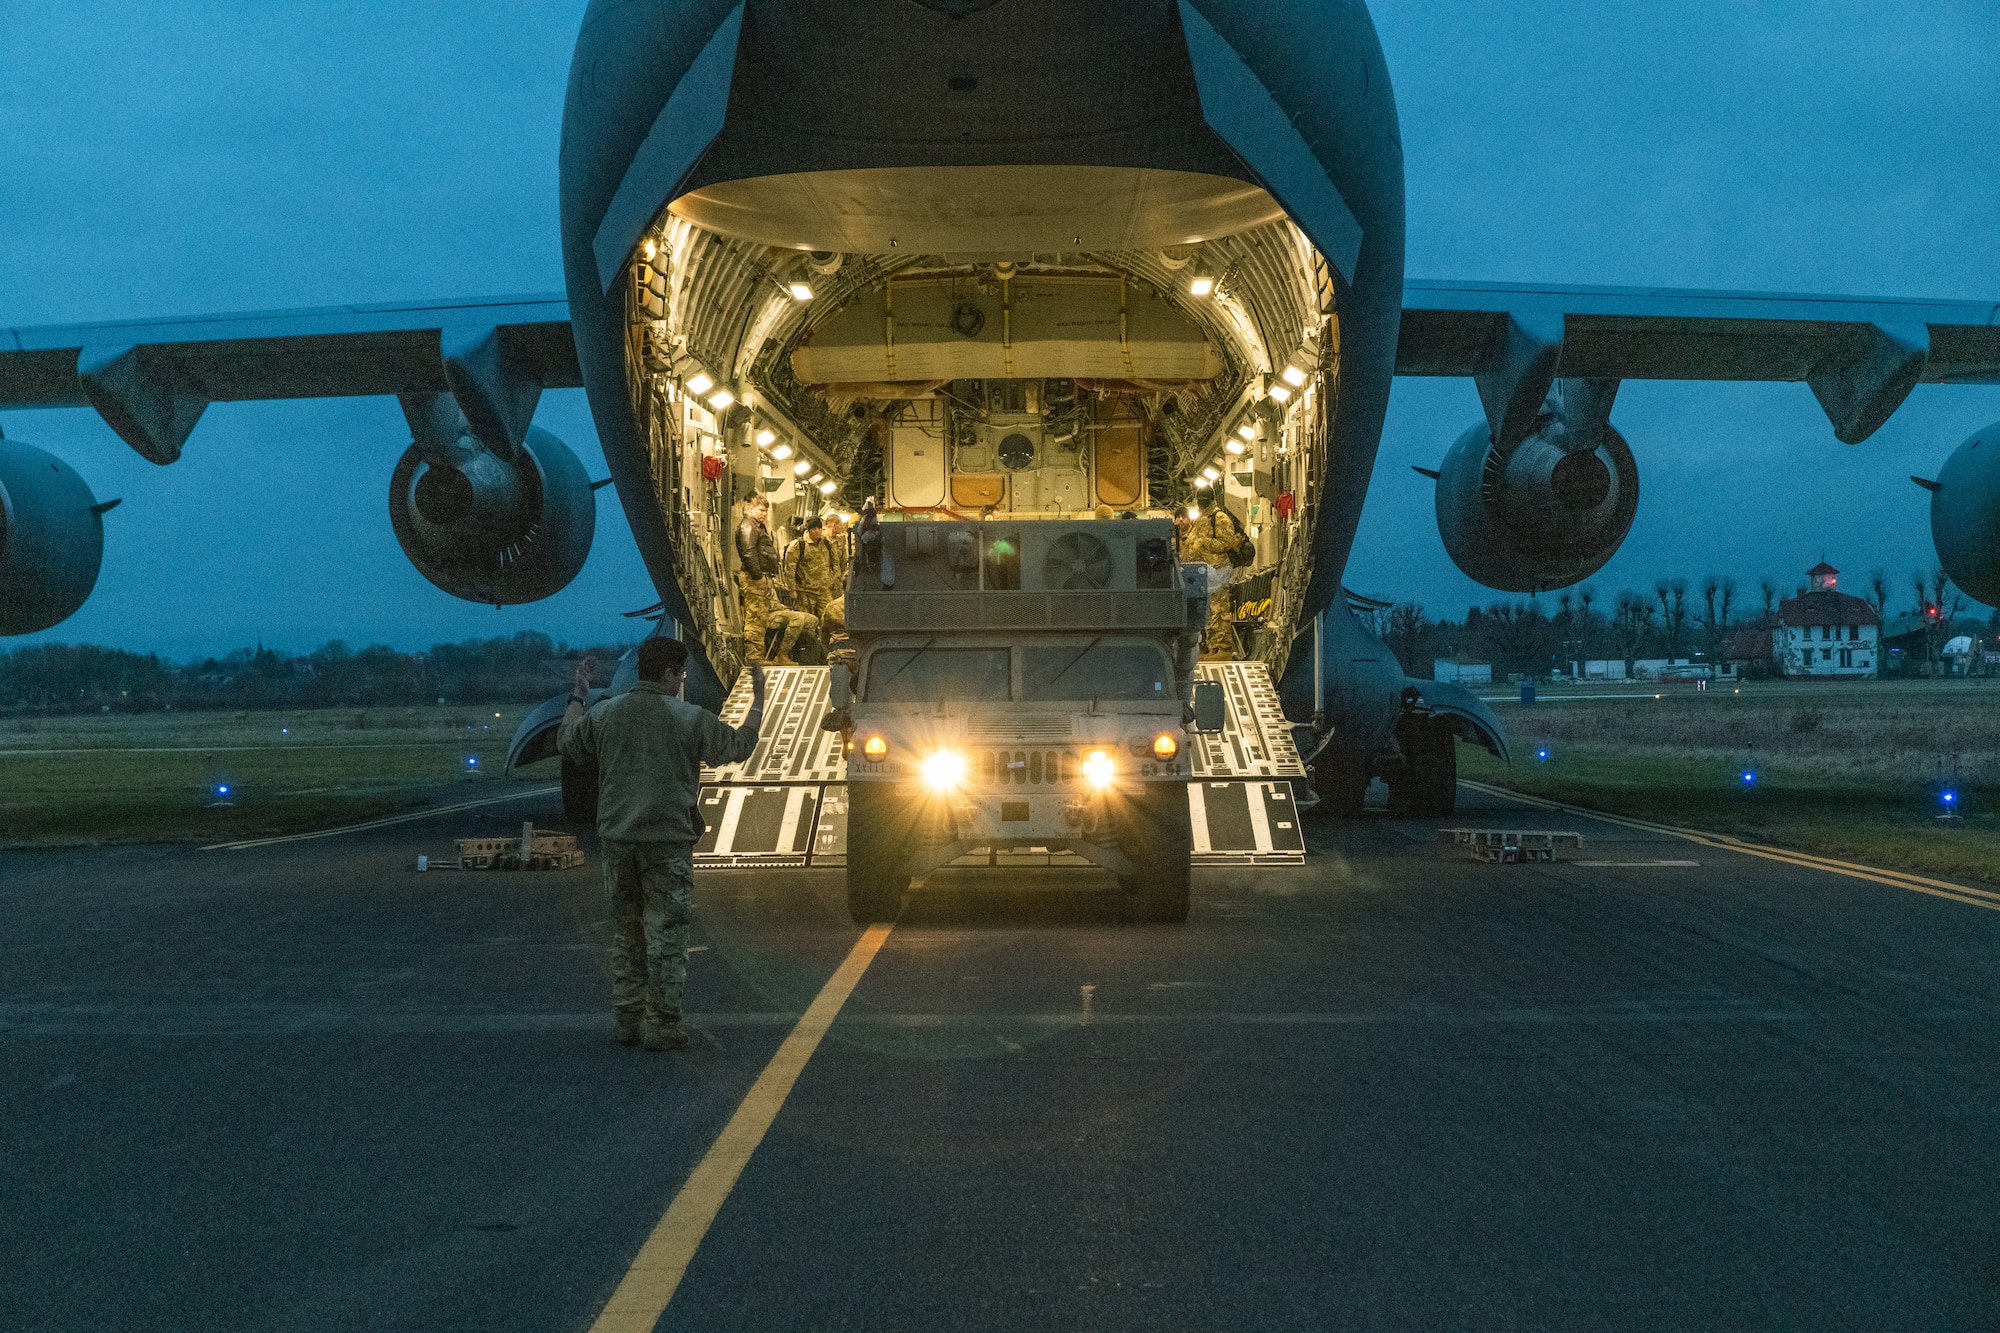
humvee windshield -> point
(925, 675)
(1094, 671)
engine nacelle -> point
(1965, 516)
(488, 530)
(1547, 514)
(51, 539)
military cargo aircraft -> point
(1011, 258)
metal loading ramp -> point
(786, 805)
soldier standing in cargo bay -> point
(649, 746)
(1209, 540)
(757, 589)
(811, 566)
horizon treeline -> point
(83, 678)
(1676, 619)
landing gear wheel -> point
(1341, 783)
(1157, 836)
(877, 853)
(1426, 785)
(579, 792)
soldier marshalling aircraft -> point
(1031, 257)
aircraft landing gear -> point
(579, 792)
(1341, 783)
(1425, 783)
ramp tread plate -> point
(1245, 823)
(1256, 739)
(763, 824)
(790, 745)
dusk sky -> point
(197, 157)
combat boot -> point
(665, 1035)
(625, 1027)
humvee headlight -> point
(1098, 768)
(875, 747)
(943, 770)
(1165, 747)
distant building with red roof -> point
(1825, 633)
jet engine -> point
(51, 539)
(1965, 515)
(488, 529)
(1545, 514)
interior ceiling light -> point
(766, 438)
(828, 487)
(800, 468)
(1200, 484)
(700, 382)
(782, 452)
(1194, 511)
(1201, 287)
(1294, 377)
(1247, 431)
(721, 399)
(1234, 446)
(1210, 473)
(1280, 394)
(800, 291)
(816, 478)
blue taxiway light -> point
(1543, 754)
(1749, 778)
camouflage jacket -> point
(649, 747)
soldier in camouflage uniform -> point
(1208, 541)
(810, 567)
(757, 588)
(648, 746)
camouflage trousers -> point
(762, 614)
(1220, 640)
(648, 886)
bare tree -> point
(1405, 637)
(1769, 587)
(1717, 594)
(1673, 611)
(1586, 623)
(1631, 620)
(1878, 593)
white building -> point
(1461, 673)
(1823, 633)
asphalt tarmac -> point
(302, 1086)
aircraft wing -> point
(151, 379)
(1860, 356)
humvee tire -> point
(878, 843)
(1156, 834)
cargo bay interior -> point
(958, 342)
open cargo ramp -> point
(786, 805)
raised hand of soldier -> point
(580, 682)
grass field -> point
(158, 777)
(1854, 769)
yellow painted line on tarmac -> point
(1895, 879)
(383, 822)
(662, 1261)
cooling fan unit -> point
(1077, 562)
